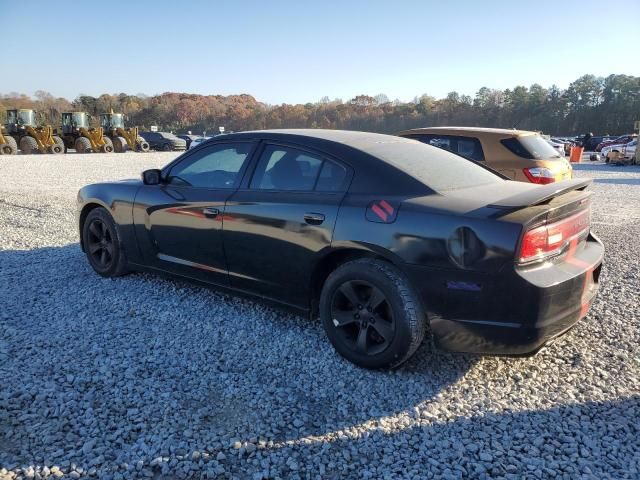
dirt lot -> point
(147, 377)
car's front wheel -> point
(371, 314)
(102, 244)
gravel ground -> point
(147, 377)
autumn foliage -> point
(602, 105)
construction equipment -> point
(22, 127)
(77, 133)
(123, 138)
(8, 145)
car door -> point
(281, 219)
(179, 222)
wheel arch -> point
(337, 255)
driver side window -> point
(215, 167)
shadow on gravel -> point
(596, 439)
(604, 167)
(618, 181)
(154, 366)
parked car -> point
(629, 152)
(622, 140)
(566, 142)
(164, 141)
(593, 142)
(198, 141)
(517, 154)
(383, 237)
(187, 138)
(612, 152)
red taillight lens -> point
(548, 240)
(539, 175)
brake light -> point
(539, 175)
(551, 239)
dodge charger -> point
(386, 239)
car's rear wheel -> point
(371, 314)
(102, 244)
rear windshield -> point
(438, 169)
(532, 147)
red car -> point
(624, 139)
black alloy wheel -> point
(362, 317)
(100, 243)
(371, 314)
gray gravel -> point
(147, 377)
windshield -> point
(436, 168)
(117, 120)
(80, 119)
(26, 117)
(533, 147)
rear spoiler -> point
(541, 194)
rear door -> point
(179, 223)
(285, 214)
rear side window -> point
(532, 147)
(290, 169)
(468, 147)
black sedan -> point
(385, 238)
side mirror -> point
(152, 177)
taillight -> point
(551, 239)
(539, 175)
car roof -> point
(360, 150)
(484, 131)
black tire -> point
(383, 335)
(120, 144)
(167, 147)
(58, 147)
(83, 145)
(103, 244)
(108, 145)
(143, 145)
(10, 147)
(28, 145)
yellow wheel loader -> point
(22, 127)
(8, 145)
(77, 133)
(123, 138)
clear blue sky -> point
(298, 51)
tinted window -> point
(285, 168)
(532, 147)
(468, 147)
(438, 169)
(332, 177)
(214, 167)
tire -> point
(83, 145)
(103, 244)
(108, 145)
(9, 148)
(120, 145)
(28, 145)
(396, 327)
(60, 142)
(167, 147)
(58, 148)
(143, 145)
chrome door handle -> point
(314, 218)
(211, 211)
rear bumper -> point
(517, 312)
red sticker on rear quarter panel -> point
(381, 211)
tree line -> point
(590, 104)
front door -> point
(277, 225)
(179, 223)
